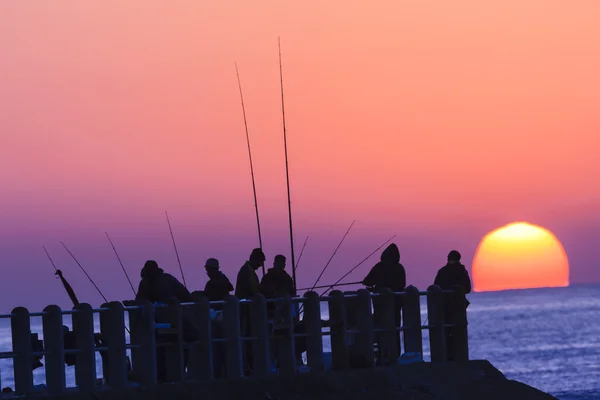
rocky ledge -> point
(474, 380)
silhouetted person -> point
(277, 282)
(160, 287)
(218, 286)
(387, 273)
(453, 273)
(246, 286)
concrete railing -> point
(351, 327)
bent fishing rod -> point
(287, 172)
(80, 266)
(122, 266)
(251, 164)
(176, 252)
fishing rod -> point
(358, 265)
(333, 255)
(251, 165)
(331, 258)
(176, 252)
(120, 262)
(287, 172)
(64, 281)
(86, 274)
(301, 252)
(66, 284)
(337, 283)
(327, 286)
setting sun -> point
(519, 256)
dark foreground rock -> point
(474, 380)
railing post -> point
(174, 360)
(337, 326)
(201, 364)
(21, 342)
(112, 323)
(143, 333)
(364, 324)
(314, 339)
(286, 349)
(460, 335)
(388, 345)
(231, 322)
(260, 330)
(85, 359)
(54, 348)
(411, 315)
(435, 313)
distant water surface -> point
(546, 338)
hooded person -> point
(160, 287)
(387, 273)
(451, 274)
(218, 286)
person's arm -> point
(181, 291)
(371, 277)
(403, 277)
(467, 282)
(255, 283)
(142, 292)
(438, 279)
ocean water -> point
(546, 338)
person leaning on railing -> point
(387, 273)
(452, 274)
(160, 287)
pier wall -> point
(358, 343)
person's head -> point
(257, 258)
(279, 261)
(391, 254)
(212, 267)
(453, 257)
(150, 269)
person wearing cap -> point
(218, 286)
(453, 273)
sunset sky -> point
(437, 121)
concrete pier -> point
(157, 336)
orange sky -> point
(410, 115)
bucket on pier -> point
(410, 358)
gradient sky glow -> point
(438, 121)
